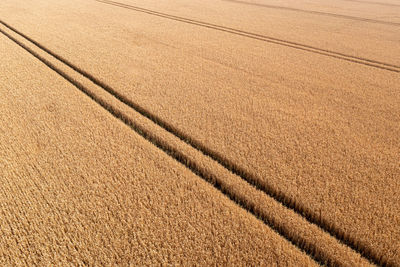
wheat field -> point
(182, 132)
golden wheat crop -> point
(285, 108)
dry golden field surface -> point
(228, 132)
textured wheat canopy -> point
(200, 132)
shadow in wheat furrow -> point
(247, 176)
(310, 249)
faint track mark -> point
(320, 13)
(254, 180)
(308, 48)
(374, 3)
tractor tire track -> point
(374, 3)
(295, 45)
(320, 13)
(310, 249)
(251, 178)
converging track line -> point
(374, 3)
(252, 179)
(295, 45)
(320, 13)
(311, 250)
